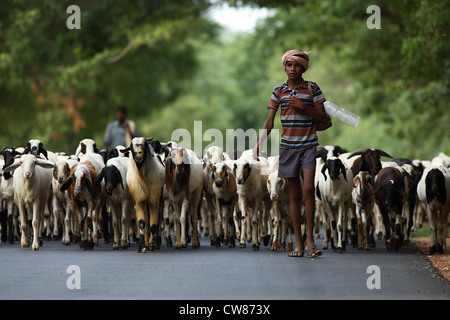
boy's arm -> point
(108, 139)
(268, 126)
(319, 115)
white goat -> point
(184, 182)
(32, 188)
(248, 175)
(335, 190)
(86, 146)
(61, 212)
(212, 156)
(118, 198)
(434, 191)
(279, 195)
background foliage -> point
(171, 65)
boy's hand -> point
(256, 152)
(296, 102)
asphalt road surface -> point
(215, 273)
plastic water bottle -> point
(341, 114)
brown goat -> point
(390, 196)
(84, 200)
(363, 199)
(184, 183)
(369, 160)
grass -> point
(421, 232)
(424, 231)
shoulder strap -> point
(310, 89)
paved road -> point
(214, 273)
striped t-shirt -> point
(299, 129)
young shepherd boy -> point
(299, 115)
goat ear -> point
(283, 183)
(89, 187)
(45, 164)
(83, 148)
(324, 168)
(344, 171)
(119, 175)
(322, 153)
(99, 178)
(212, 172)
(339, 150)
(66, 184)
(129, 148)
(95, 148)
(16, 153)
(12, 167)
(359, 165)
(43, 151)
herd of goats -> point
(152, 190)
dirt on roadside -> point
(440, 261)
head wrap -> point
(296, 56)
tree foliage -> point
(62, 85)
(172, 66)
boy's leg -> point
(310, 205)
(295, 196)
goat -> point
(212, 156)
(334, 186)
(85, 200)
(145, 179)
(100, 215)
(441, 160)
(279, 195)
(434, 191)
(325, 152)
(390, 195)
(369, 160)
(86, 146)
(411, 177)
(363, 199)
(61, 172)
(225, 190)
(184, 183)
(115, 152)
(247, 172)
(118, 198)
(32, 187)
(7, 195)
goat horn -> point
(357, 153)
(384, 154)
